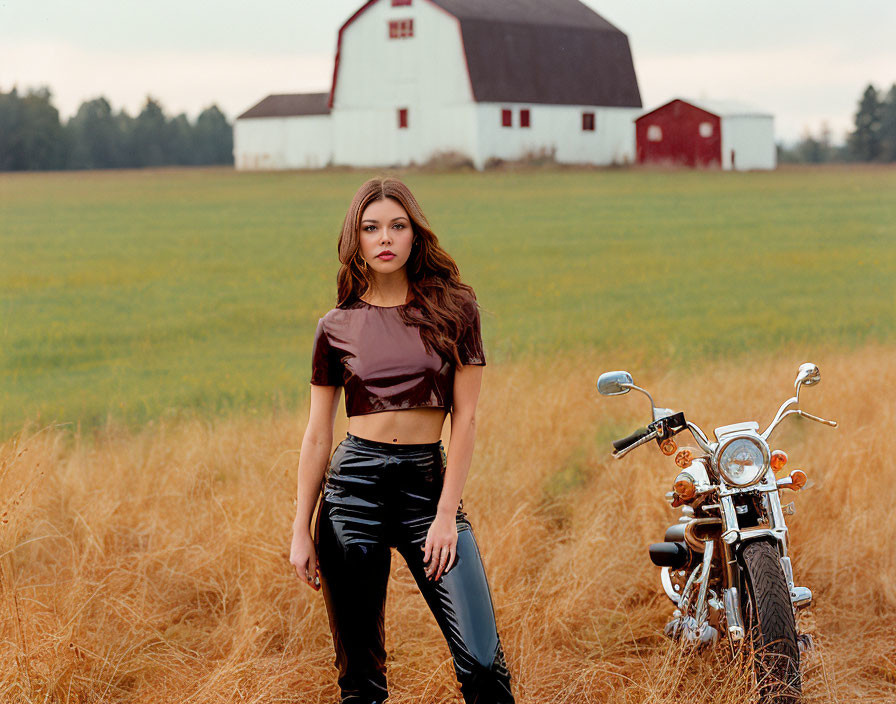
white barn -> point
(502, 79)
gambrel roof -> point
(557, 52)
(568, 13)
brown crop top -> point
(382, 362)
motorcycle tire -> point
(771, 624)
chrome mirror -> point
(807, 376)
(614, 383)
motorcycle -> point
(725, 565)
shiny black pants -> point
(378, 496)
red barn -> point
(704, 134)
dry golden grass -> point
(153, 567)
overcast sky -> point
(805, 61)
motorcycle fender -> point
(752, 535)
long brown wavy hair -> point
(439, 295)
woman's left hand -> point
(440, 549)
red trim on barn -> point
(358, 13)
(679, 133)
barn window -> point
(524, 118)
(401, 29)
(400, 3)
(402, 118)
(588, 122)
(654, 133)
(705, 129)
(507, 118)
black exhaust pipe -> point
(673, 555)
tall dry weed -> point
(152, 567)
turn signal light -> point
(778, 460)
(798, 478)
(683, 458)
(668, 447)
(684, 486)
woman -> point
(404, 342)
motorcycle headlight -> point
(742, 461)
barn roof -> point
(564, 13)
(289, 105)
(557, 52)
(719, 108)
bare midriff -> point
(414, 426)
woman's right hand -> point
(303, 557)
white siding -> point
(426, 74)
(283, 142)
(752, 139)
(557, 128)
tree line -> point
(873, 138)
(33, 138)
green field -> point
(133, 295)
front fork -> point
(731, 595)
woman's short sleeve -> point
(469, 346)
(326, 367)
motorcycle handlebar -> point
(623, 443)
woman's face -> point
(386, 236)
